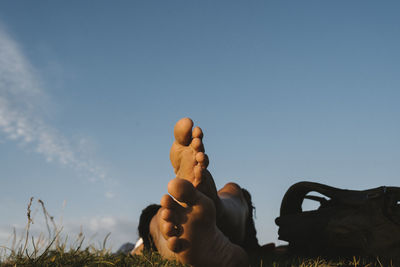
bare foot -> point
(188, 224)
(189, 160)
(186, 146)
(190, 163)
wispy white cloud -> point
(21, 119)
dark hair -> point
(144, 226)
(250, 243)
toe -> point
(183, 131)
(177, 245)
(197, 145)
(173, 244)
(202, 159)
(197, 133)
(183, 191)
(168, 202)
(177, 210)
(167, 215)
(168, 229)
(175, 215)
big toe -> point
(183, 191)
(183, 131)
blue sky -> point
(284, 90)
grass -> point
(53, 251)
(88, 257)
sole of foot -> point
(187, 152)
(189, 160)
(188, 222)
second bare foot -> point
(187, 152)
(189, 160)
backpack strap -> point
(294, 197)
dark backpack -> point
(348, 222)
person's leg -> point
(185, 229)
(236, 220)
(234, 210)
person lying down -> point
(196, 224)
